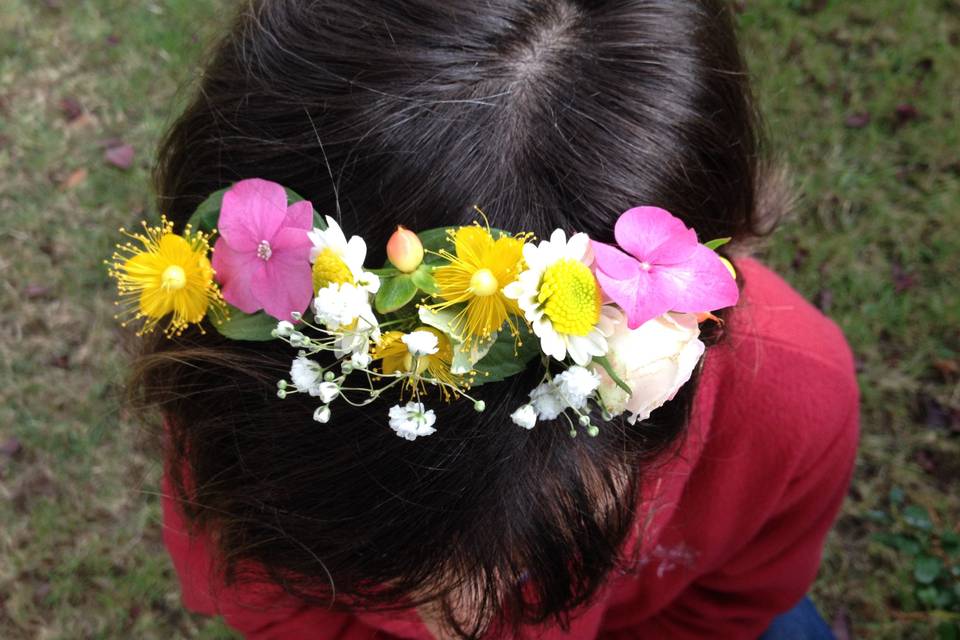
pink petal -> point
(252, 211)
(285, 284)
(292, 239)
(641, 230)
(700, 283)
(675, 249)
(639, 297)
(234, 273)
(613, 262)
(299, 215)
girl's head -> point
(545, 113)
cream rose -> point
(655, 360)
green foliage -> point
(928, 560)
(253, 327)
(505, 358)
(395, 293)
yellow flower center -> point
(484, 283)
(329, 268)
(570, 297)
(174, 278)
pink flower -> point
(262, 257)
(668, 271)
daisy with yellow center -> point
(339, 261)
(561, 299)
(396, 350)
(475, 276)
(163, 274)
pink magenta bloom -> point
(667, 269)
(262, 257)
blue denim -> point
(803, 622)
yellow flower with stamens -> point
(164, 274)
(397, 358)
(475, 277)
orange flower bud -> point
(404, 250)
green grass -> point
(874, 240)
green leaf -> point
(926, 569)
(947, 630)
(208, 213)
(716, 243)
(917, 517)
(950, 542)
(505, 359)
(255, 327)
(423, 278)
(896, 496)
(433, 240)
(395, 293)
(903, 543)
(604, 362)
(928, 596)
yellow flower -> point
(397, 358)
(166, 274)
(475, 277)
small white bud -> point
(585, 421)
(296, 315)
(322, 414)
(281, 384)
(479, 406)
(281, 393)
(328, 376)
(284, 328)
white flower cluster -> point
(653, 361)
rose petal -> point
(252, 211)
(641, 230)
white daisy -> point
(337, 260)
(412, 420)
(561, 299)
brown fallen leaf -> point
(857, 120)
(120, 157)
(71, 108)
(36, 290)
(75, 179)
(11, 447)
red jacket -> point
(730, 532)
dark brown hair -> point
(546, 113)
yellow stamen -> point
(484, 283)
(570, 297)
(329, 268)
(164, 274)
(174, 278)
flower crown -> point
(616, 328)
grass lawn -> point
(862, 101)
